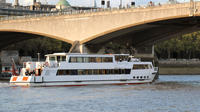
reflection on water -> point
(168, 94)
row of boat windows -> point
(122, 58)
(142, 66)
(140, 77)
(58, 58)
(82, 59)
(94, 72)
(90, 59)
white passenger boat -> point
(63, 69)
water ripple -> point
(168, 94)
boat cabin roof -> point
(85, 54)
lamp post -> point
(16, 3)
(120, 6)
(192, 7)
(95, 5)
(38, 57)
(108, 4)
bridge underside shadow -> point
(147, 34)
(7, 38)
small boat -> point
(7, 71)
(5, 76)
(75, 69)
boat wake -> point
(4, 84)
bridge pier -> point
(77, 47)
(146, 51)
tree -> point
(39, 45)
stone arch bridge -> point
(91, 30)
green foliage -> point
(39, 45)
(186, 46)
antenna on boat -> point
(38, 57)
(14, 68)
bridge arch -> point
(10, 36)
(117, 29)
(149, 32)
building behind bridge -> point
(6, 57)
(3, 3)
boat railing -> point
(135, 60)
(54, 64)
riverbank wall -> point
(179, 67)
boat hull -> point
(75, 83)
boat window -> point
(98, 59)
(122, 71)
(92, 59)
(73, 59)
(80, 72)
(107, 59)
(96, 71)
(61, 72)
(73, 72)
(112, 71)
(80, 59)
(103, 71)
(59, 58)
(52, 58)
(122, 58)
(127, 71)
(140, 66)
(89, 72)
(86, 59)
(116, 71)
(86, 72)
(100, 71)
(117, 58)
(145, 66)
(63, 58)
(67, 72)
(107, 71)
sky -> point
(90, 3)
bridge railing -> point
(158, 2)
(73, 12)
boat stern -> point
(20, 80)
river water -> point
(179, 93)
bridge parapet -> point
(99, 11)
